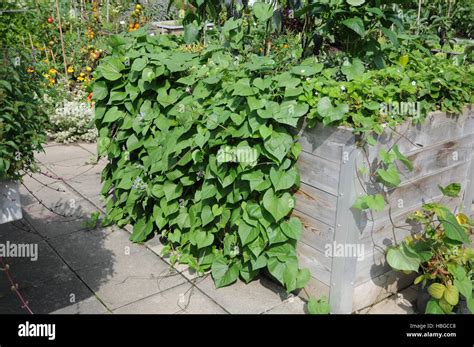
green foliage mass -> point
(199, 150)
(200, 138)
(22, 116)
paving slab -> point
(89, 185)
(60, 152)
(50, 191)
(51, 225)
(90, 147)
(131, 273)
(399, 303)
(33, 268)
(293, 305)
(64, 293)
(258, 296)
(156, 246)
(183, 299)
(85, 248)
(69, 169)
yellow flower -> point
(462, 218)
(52, 71)
(30, 70)
(80, 78)
(70, 69)
(82, 74)
(88, 68)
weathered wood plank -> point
(379, 230)
(411, 195)
(325, 142)
(376, 242)
(316, 261)
(316, 203)
(315, 233)
(319, 172)
(437, 127)
(433, 158)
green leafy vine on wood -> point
(200, 145)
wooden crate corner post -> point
(344, 267)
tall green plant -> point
(200, 151)
(22, 116)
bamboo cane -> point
(53, 56)
(61, 37)
(418, 16)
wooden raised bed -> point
(441, 152)
(172, 27)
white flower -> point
(308, 79)
(122, 22)
(343, 88)
(413, 83)
(302, 71)
(152, 34)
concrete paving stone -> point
(127, 285)
(156, 246)
(400, 303)
(15, 233)
(127, 272)
(183, 299)
(85, 248)
(69, 169)
(258, 296)
(293, 305)
(57, 196)
(58, 153)
(90, 305)
(49, 191)
(51, 225)
(18, 230)
(90, 147)
(89, 185)
(27, 272)
(63, 292)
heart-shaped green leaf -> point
(278, 207)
